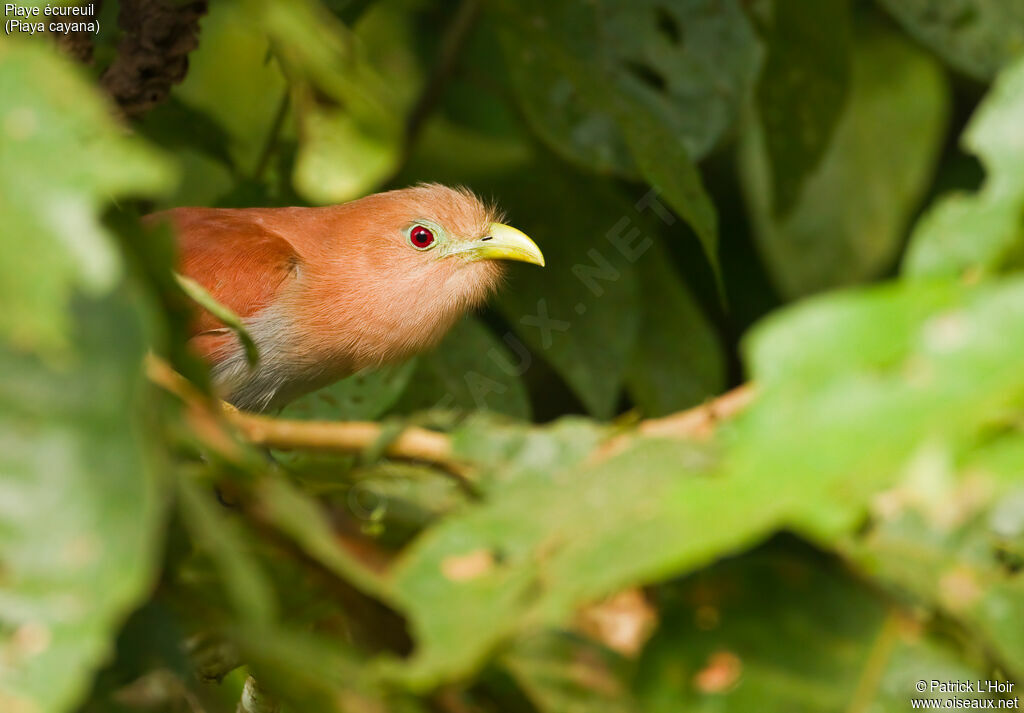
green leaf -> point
(348, 117)
(693, 59)
(869, 378)
(575, 55)
(678, 360)
(198, 294)
(470, 369)
(984, 231)
(801, 91)
(61, 158)
(79, 508)
(849, 221)
(978, 37)
(363, 396)
(221, 536)
(579, 313)
(563, 673)
(301, 518)
(774, 631)
(488, 572)
(950, 532)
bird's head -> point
(421, 257)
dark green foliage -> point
(858, 528)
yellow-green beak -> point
(502, 242)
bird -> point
(327, 291)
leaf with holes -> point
(978, 37)
(658, 94)
(695, 59)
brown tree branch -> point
(415, 443)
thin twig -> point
(420, 444)
(273, 134)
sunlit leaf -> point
(61, 158)
(79, 515)
(982, 232)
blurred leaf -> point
(802, 91)
(866, 378)
(175, 124)
(977, 37)
(315, 674)
(219, 534)
(340, 158)
(678, 361)
(79, 512)
(562, 55)
(301, 518)
(869, 378)
(349, 129)
(198, 294)
(775, 632)
(563, 673)
(61, 157)
(232, 80)
(694, 58)
(483, 574)
(952, 534)
(363, 396)
(470, 369)
(850, 219)
(985, 231)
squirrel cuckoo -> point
(327, 291)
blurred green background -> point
(824, 198)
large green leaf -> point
(849, 221)
(668, 94)
(801, 91)
(773, 631)
(678, 361)
(976, 36)
(982, 232)
(851, 387)
(469, 369)
(61, 158)
(695, 58)
(579, 313)
(78, 506)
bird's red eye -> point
(421, 237)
